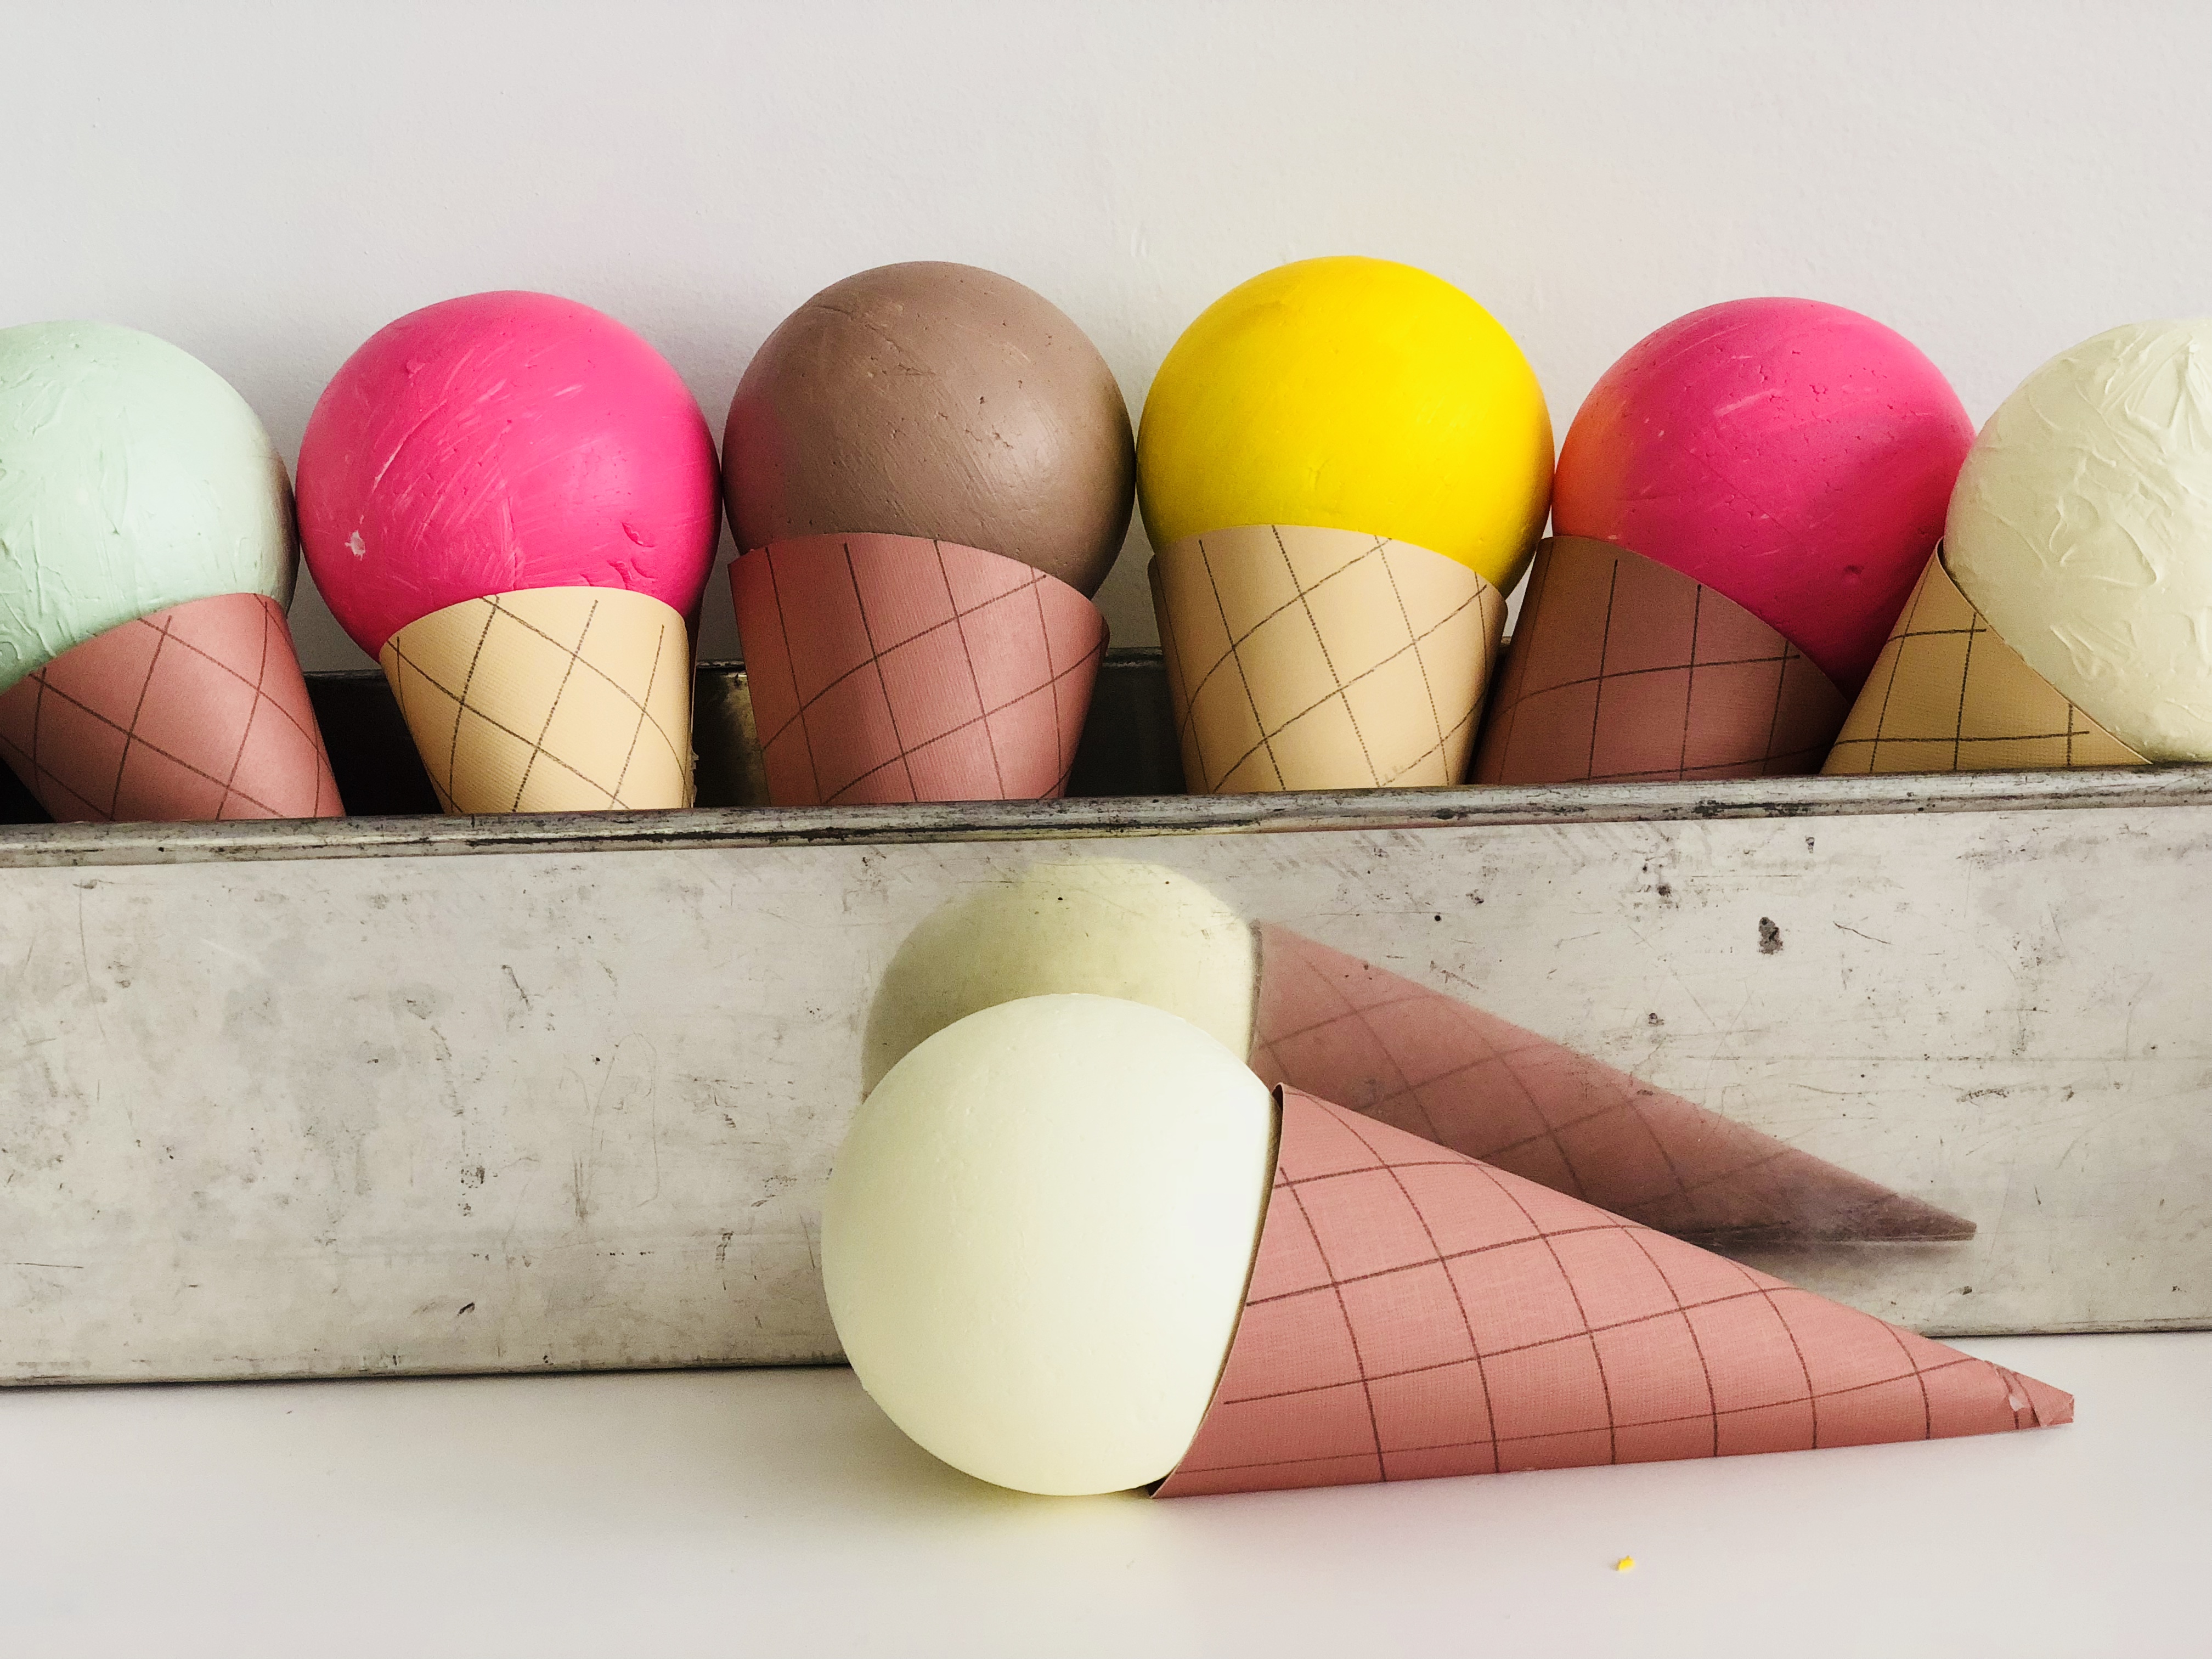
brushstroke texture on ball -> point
(132, 478)
(939, 401)
(500, 442)
(1795, 456)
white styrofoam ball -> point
(2082, 527)
(1036, 1238)
(1113, 928)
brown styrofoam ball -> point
(937, 401)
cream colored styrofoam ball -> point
(2082, 527)
(1036, 1238)
(1110, 926)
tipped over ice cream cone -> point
(896, 668)
(1948, 694)
(1413, 1313)
(194, 713)
(1309, 658)
(548, 700)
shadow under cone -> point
(1306, 658)
(1623, 670)
(548, 700)
(1436, 1067)
(1948, 694)
(895, 668)
(198, 712)
(1413, 1313)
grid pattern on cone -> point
(197, 712)
(1948, 694)
(1622, 671)
(1413, 1313)
(1300, 658)
(552, 699)
(1435, 1066)
(895, 668)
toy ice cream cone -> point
(1623, 670)
(1436, 1067)
(894, 668)
(1414, 1313)
(1948, 694)
(197, 712)
(1300, 658)
(549, 700)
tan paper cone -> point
(1414, 1313)
(1306, 658)
(197, 712)
(1436, 1067)
(1949, 695)
(895, 668)
(1622, 669)
(548, 700)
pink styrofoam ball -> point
(1796, 456)
(499, 443)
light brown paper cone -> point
(1414, 1313)
(549, 700)
(1949, 695)
(895, 668)
(1431, 1065)
(1307, 658)
(1623, 670)
(197, 712)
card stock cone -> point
(1622, 669)
(1414, 1313)
(1949, 695)
(548, 700)
(1306, 659)
(895, 668)
(1436, 1067)
(197, 712)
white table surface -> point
(730, 1512)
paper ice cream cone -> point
(1622, 669)
(548, 700)
(1436, 1067)
(1414, 1313)
(1307, 658)
(895, 668)
(1949, 695)
(197, 712)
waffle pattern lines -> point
(1436, 1067)
(197, 712)
(1948, 694)
(895, 668)
(1413, 1313)
(1624, 670)
(1309, 658)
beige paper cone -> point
(1307, 658)
(549, 700)
(1949, 695)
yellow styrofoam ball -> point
(1352, 394)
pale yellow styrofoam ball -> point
(1036, 1238)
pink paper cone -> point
(198, 712)
(1414, 1313)
(1436, 1067)
(892, 668)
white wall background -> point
(268, 185)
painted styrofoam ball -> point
(934, 400)
(1350, 393)
(1037, 1237)
(132, 478)
(2081, 528)
(1795, 456)
(501, 443)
